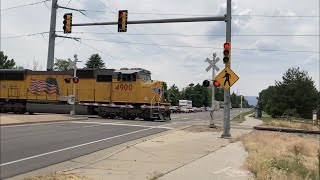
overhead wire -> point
(30, 4)
(201, 47)
(150, 40)
(238, 15)
(25, 35)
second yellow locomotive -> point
(125, 93)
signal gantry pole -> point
(226, 120)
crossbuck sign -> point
(212, 63)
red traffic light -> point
(75, 80)
(216, 83)
(226, 45)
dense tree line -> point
(296, 95)
(201, 96)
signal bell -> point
(226, 53)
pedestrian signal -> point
(122, 20)
(206, 83)
(75, 80)
(67, 23)
(226, 53)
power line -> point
(181, 14)
(18, 36)
(106, 54)
(31, 4)
(205, 35)
(204, 47)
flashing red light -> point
(75, 80)
(226, 45)
(216, 83)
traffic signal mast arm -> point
(196, 19)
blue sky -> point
(257, 69)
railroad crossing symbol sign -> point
(212, 63)
(227, 78)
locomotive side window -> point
(127, 77)
(104, 78)
(134, 77)
(119, 77)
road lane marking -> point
(118, 124)
(72, 147)
(185, 118)
(32, 124)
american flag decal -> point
(49, 86)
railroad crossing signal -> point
(227, 78)
(212, 64)
(226, 53)
(67, 22)
(122, 20)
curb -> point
(264, 128)
(43, 122)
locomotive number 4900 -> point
(124, 87)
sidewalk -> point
(223, 164)
(180, 154)
(11, 119)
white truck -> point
(186, 106)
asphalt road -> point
(29, 147)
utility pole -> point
(226, 120)
(52, 35)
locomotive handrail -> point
(159, 99)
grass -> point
(238, 119)
(56, 176)
(273, 155)
(295, 124)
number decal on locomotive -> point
(124, 87)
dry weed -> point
(275, 155)
(56, 176)
(294, 125)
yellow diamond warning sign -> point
(227, 78)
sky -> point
(173, 52)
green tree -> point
(295, 95)
(62, 64)
(6, 63)
(174, 95)
(95, 61)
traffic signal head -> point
(206, 83)
(216, 83)
(67, 23)
(122, 21)
(67, 80)
(75, 80)
(226, 53)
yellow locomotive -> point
(125, 93)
